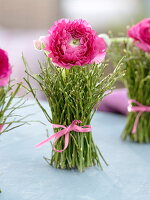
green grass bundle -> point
(73, 84)
(136, 79)
(9, 102)
(72, 94)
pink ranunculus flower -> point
(141, 34)
(5, 68)
(71, 43)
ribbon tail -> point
(66, 143)
(45, 141)
(136, 122)
(55, 135)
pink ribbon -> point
(66, 133)
(139, 108)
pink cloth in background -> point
(116, 102)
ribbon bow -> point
(66, 132)
(138, 108)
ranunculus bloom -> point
(71, 43)
(5, 69)
(141, 34)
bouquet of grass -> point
(8, 119)
(136, 48)
(72, 79)
(9, 102)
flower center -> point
(74, 42)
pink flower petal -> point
(4, 81)
(5, 69)
(99, 58)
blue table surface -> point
(24, 174)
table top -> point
(24, 174)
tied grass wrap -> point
(137, 81)
(72, 95)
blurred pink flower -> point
(141, 34)
(71, 43)
(5, 69)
